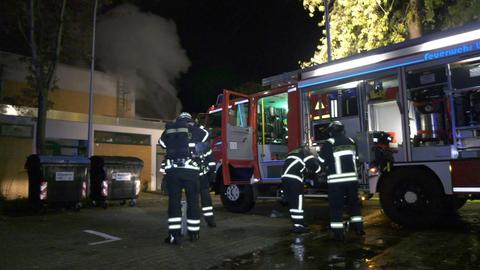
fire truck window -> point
(238, 114)
(429, 118)
(214, 123)
(383, 112)
(272, 119)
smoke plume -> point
(144, 48)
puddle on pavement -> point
(313, 251)
(455, 245)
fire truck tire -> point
(237, 198)
(412, 197)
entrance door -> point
(237, 137)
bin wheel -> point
(133, 203)
(237, 198)
(123, 202)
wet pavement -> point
(454, 244)
(123, 237)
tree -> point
(41, 30)
(45, 41)
(357, 26)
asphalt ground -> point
(123, 237)
(58, 238)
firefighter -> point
(296, 164)
(207, 171)
(178, 139)
(338, 157)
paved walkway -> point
(57, 240)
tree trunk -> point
(44, 80)
(413, 20)
(41, 119)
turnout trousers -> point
(178, 179)
(205, 199)
(293, 189)
(337, 192)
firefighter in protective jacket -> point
(338, 156)
(296, 164)
(182, 173)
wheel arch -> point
(432, 171)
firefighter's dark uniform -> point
(296, 163)
(178, 139)
(338, 156)
(207, 171)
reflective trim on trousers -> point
(174, 227)
(194, 229)
(296, 210)
(208, 214)
(207, 208)
(175, 219)
(336, 225)
(356, 219)
(193, 221)
(297, 216)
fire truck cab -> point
(415, 103)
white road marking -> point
(109, 238)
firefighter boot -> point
(194, 236)
(300, 229)
(173, 239)
(210, 221)
(359, 232)
(338, 235)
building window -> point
(11, 130)
(121, 138)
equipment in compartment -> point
(466, 84)
(426, 92)
(429, 107)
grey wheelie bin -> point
(115, 178)
(57, 180)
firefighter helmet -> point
(185, 115)
(336, 128)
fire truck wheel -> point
(237, 198)
(412, 197)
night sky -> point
(231, 42)
(228, 42)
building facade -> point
(116, 130)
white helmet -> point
(185, 115)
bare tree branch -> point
(53, 66)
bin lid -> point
(120, 160)
(64, 159)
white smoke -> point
(146, 49)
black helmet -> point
(336, 128)
(185, 115)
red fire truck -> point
(424, 93)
